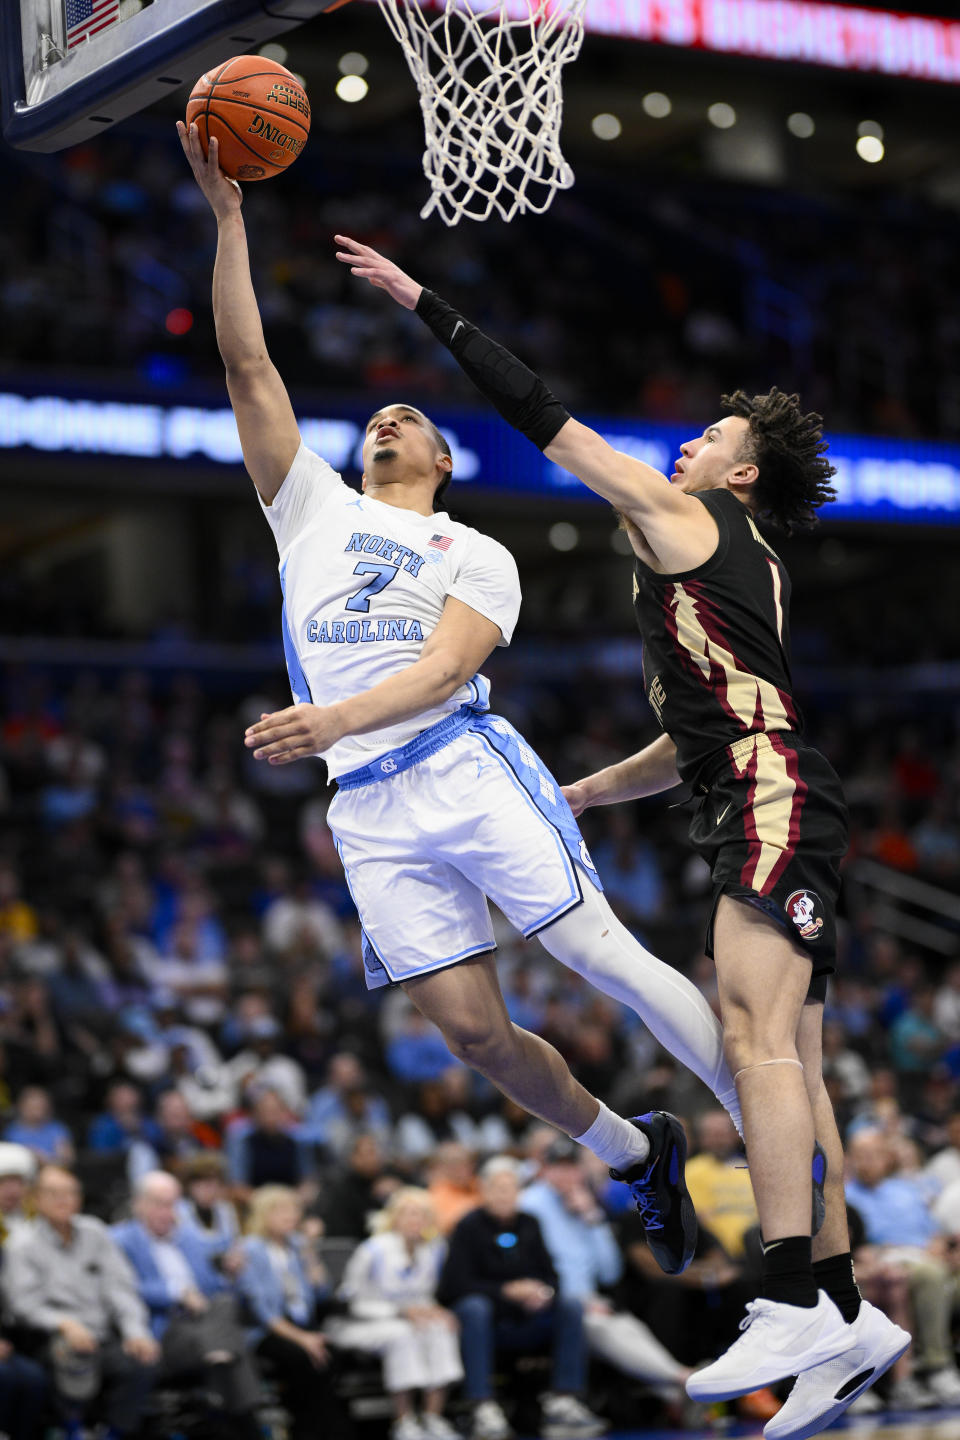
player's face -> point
(706, 462)
(399, 433)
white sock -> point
(594, 943)
(614, 1140)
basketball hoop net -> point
(490, 88)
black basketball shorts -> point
(771, 822)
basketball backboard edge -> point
(164, 46)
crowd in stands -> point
(103, 242)
(204, 1109)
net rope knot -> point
(489, 78)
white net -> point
(489, 77)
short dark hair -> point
(444, 449)
(788, 449)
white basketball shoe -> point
(778, 1340)
(822, 1394)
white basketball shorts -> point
(424, 847)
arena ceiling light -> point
(353, 63)
(801, 124)
(722, 115)
(871, 149)
(657, 105)
(606, 126)
(351, 88)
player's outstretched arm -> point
(265, 419)
(652, 769)
(637, 490)
(461, 642)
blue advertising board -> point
(877, 479)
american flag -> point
(88, 17)
(440, 542)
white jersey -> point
(364, 585)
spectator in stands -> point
(345, 1076)
(500, 1281)
(265, 1151)
(844, 1064)
(361, 1113)
(390, 1284)
(66, 1279)
(635, 884)
(719, 1182)
(173, 1138)
(121, 1123)
(417, 1051)
(434, 1118)
(363, 1188)
(896, 1213)
(284, 1291)
(453, 1184)
(23, 1383)
(260, 1066)
(205, 1206)
(193, 1312)
(587, 1259)
(37, 1129)
(16, 1171)
(916, 1042)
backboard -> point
(72, 68)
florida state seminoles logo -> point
(802, 908)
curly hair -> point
(788, 450)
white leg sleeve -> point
(594, 943)
(627, 1344)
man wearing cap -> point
(23, 1383)
(66, 1280)
(586, 1257)
(16, 1171)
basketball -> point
(259, 113)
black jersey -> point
(716, 650)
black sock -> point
(787, 1272)
(837, 1278)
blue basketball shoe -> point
(658, 1186)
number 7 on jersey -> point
(381, 577)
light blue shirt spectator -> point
(584, 1250)
(51, 1138)
(894, 1212)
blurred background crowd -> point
(182, 991)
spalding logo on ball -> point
(259, 113)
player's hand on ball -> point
(225, 196)
(294, 733)
(370, 265)
(576, 796)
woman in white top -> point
(391, 1278)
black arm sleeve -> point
(520, 396)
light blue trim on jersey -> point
(377, 972)
(298, 680)
(530, 775)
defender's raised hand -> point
(224, 195)
(370, 265)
